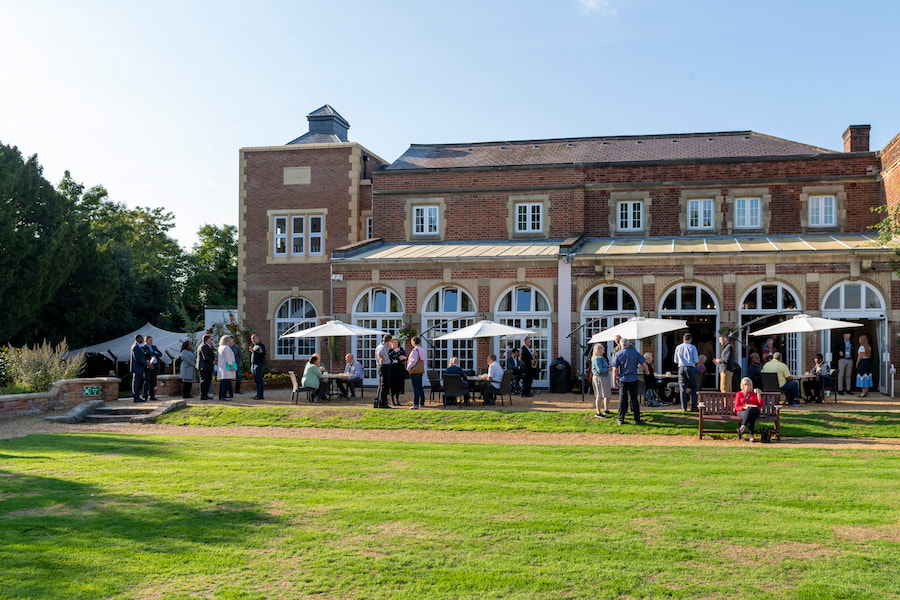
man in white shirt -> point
(492, 379)
(383, 363)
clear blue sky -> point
(154, 99)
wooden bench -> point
(716, 406)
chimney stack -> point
(856, 138)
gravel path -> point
(35, 424)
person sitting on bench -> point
(747, 404)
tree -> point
(211, 278)
(37, 237)
(150, 264)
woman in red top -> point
(747, 404)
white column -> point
(564, 310)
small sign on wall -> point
(91, 390)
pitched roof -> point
(326, 126)
(691, 146)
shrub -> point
(36, 368)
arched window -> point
(605, 306)
(773, 299)
(854, 297)
(446, 310)
(527, 308)
(697, 305)
(376, 308)
(295, 314)
(860, 302)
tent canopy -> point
(119, 349)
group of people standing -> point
(225, 361)
(145, 357)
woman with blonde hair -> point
(600, 380)
(226, 367)
(864, 365)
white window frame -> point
(752, 219)
(429, 224)
(703, 210)
(292, 235)
(368, 228)
(315, 236)
(280, 236)
(530, 212)
(818, 206)
(631, 207)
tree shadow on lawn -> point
(64, 538)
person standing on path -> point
(844, 355)
(727, 367)
(687, 359)
(600, 379)
(188, 368)
(415, 364)
(238, 353)
(257, 364)
(527, 357)
(383, 364)
(153, 355)
(226, 369)
(625, 366)
(138, 367)
(206, 361)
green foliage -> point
(38, 367)
(37, 236)
(211, 270)
(132, 516)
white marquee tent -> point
(119, 349)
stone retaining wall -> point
(63, 395)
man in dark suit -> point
(527, 367)
(152, 354)
(138, 366)
(843, 355)
(514, 366)
(206, 357)
(257, 364)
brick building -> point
(720, 229)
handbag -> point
(419, 367)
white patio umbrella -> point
(637, 328)
(804, 323)
(484, 329)
(334, 328)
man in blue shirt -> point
(686, 358)
(625, 366)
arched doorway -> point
(376, 308)
(527, 308)
(860, 302)
(446, 310)
(295, 314)
(603, 307)
(697, 305)
(768, 304)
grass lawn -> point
(793, 423)
(130, 516)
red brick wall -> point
(265, 190)
(477, 199)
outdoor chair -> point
(434, 381)
(505, 388)
(453, 389)
(297, 389)
(770, 383)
